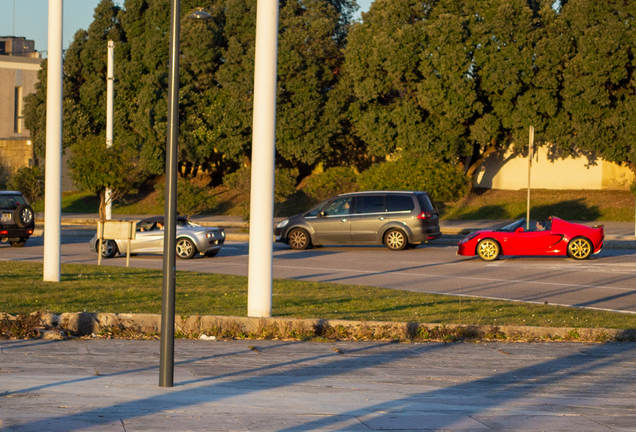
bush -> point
(191, 199)
(284, 182)
(443, 181)
(331, 182)
(29, 181)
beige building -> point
(19, 65)
(506, 170)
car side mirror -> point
(519, 230)
(321, 214)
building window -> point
(17, 111)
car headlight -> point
(283, 224)
(222, 233)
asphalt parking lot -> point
(606, 281)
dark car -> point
(17, 219)
(397, 219)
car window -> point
(369, 204)
(426, 203)
(399, 203)
(145, 226)
(339, 207)
(316, 209)
(10, 202)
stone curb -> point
(84, 324)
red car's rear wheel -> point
(580, 248)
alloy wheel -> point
(488, 250)
(395, 240)
(298, 239)
(580, 248)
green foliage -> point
(443, 181)
(284, 182)
(95, 168)
(191, 198)
(29, 181)
(332, 181)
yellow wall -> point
(507, 171)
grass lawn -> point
(127, 290)
(588, 205)
(591, 205)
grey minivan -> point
(397, 219)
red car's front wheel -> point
(580, 248)
(488, 249)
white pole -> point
(110, 78)
(530, 148)
(53, 179)
(259, 292)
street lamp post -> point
(166, 360)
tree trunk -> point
(482, 158)
(102, 206)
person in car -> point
(540, 226)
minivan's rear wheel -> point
(185, 248)
(488, 249)
(580, 248)
(395, 239)
(298, 239)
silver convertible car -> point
(192, 239)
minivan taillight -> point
(424, 215)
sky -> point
(31, 19)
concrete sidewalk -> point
(111, 385)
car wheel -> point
(298, 239)
(580, 248)
(24, 216)
(395, 239)
(211, 254)
(109, 248)
(488, 249)
(20, 243)
(185, 248)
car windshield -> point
(513, 226)
(10, 202)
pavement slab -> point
(112, 385)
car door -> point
(369, 215)
(332, 224)
(533, 242)
(147, 239)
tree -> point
(95, 168)
(599, 80)
(29, 181)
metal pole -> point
(166, 365)
(259, 292)
(110, 79)
(530, 148)
(53, 179)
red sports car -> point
(550, 237)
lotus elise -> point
(544, 238)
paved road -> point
(607, 281)
(111, 385)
